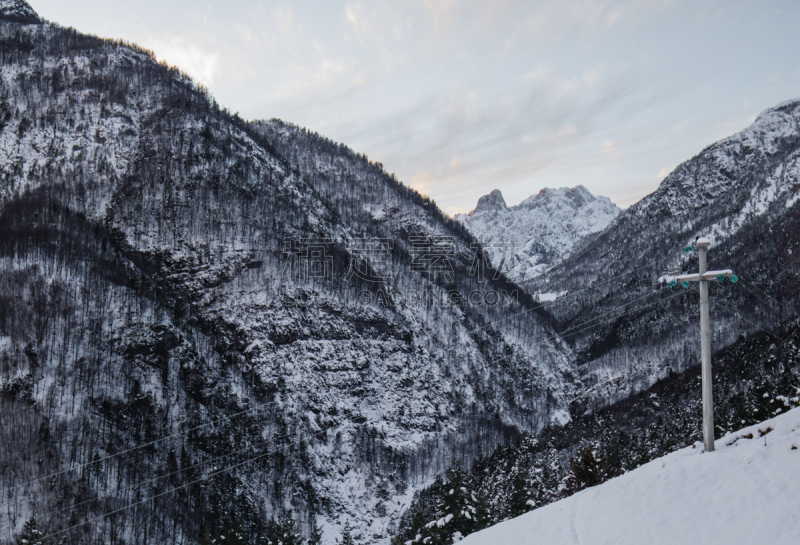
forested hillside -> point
(205, 322)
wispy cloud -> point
(508, 94)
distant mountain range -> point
(524, 240)
(742, 192)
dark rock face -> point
(492, 201)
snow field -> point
(746, 492)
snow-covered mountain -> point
(524, 240)
(736, 495)
(627, 325)
(283, 324)
(278, 320)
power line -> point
(272, 402)
(738, 315)
(778, 309)
(613, 310)
(225, 469)
(152, 479)
(173, 436)
(592, 287)
(754, 285)
(573, 331)
(169, 42)
(588, 288)
(130, 486)
(206, 477)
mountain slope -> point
(742, 193)
(735, 495)
(262, 298)
(755, 378)
(523, 240)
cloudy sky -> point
(459, 97)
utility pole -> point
(704, 277)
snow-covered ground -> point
(746, 492)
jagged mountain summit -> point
(279, 321)
(524, 240)
(18, 11)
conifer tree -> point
(518, 503)
(347, 538)
(235, 534)
(588, 470)
(205, 536)
(459, 513)
(315, 536)
(282, 531)
(31, 534)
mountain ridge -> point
(169, 266)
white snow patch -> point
(549, 297)
(745, 492)
(561, 417)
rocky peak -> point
(18, 11)
(492, 201)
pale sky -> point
(460, 97)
